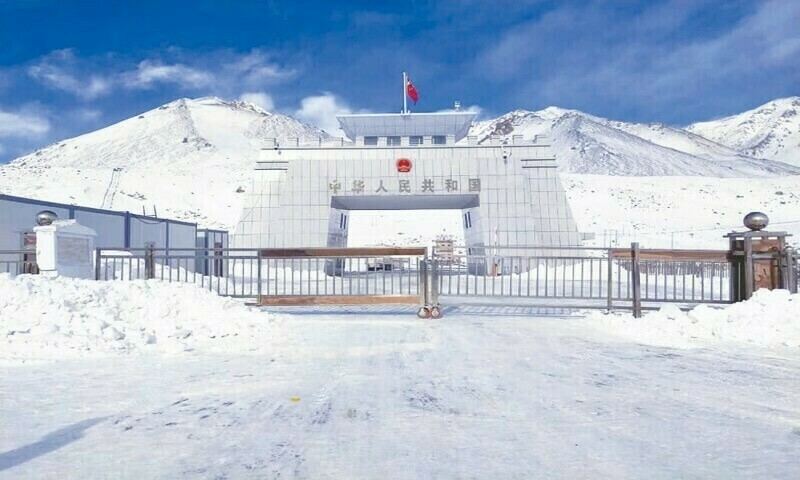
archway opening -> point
(373, 228)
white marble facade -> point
(509, 195)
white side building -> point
(508, 194)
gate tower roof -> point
(407, 124)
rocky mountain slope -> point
(769, 131)
(188, 159)
(191, 159)
(587, 144)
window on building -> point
(415, 140)
(439, 139)
(467, 220)
(370, 140)
(393, 141)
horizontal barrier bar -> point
(520, 247)
(339, 300)
(664, 254)
(340, 252)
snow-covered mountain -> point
(769, 131)
(192, 160)
(584, 143)
(188, 159)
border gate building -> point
(509, 194)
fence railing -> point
(588, 277)
(609, 278)
(18, 262)
(227, 271)
(790, 266)
(344, 275)
(281, 276)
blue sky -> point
(67, 68)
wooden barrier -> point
(327, 252)
(665, 254)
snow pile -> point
(771, 318)
(42, 317)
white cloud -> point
(255, 69)
(149, 73)
(55, 70)
(21, 124)
(263, 100)
(221, 72)
(652, 65)
(321, 111)
(86, 114)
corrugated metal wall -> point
(114, 229)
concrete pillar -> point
(65, 248)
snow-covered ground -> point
(482, 393)
(770, 318)
(42, 318)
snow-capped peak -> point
(769, 131)
(585, 143)
(188, 157)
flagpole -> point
(405, 96)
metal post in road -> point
(424, 310)
(636, 280)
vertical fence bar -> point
(423, 281)
(434, 286)
(97, 255)
(787, 269)
(258, 277)
(748, 267)
(637, 292)
(149, 261)
(609, 279)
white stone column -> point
(65, 248)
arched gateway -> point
(509, 194)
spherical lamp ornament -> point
(756, 221)
(45, 217)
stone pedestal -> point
(65, 248)
(756, 262)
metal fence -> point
(344, 275)
(280, 276)
(226, 271)
(586, 277)
(17, 262)
(790, 264)
(567, 277)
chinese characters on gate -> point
(403, 186)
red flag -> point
(412, 92)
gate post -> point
(748, 267)
(434, 283)
(423, 282)
(788, 271)
(637, 290)
(610, 279)
(258, 287)
(97, 253)
(149, 261)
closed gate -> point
(559, 277)
(581, 277)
